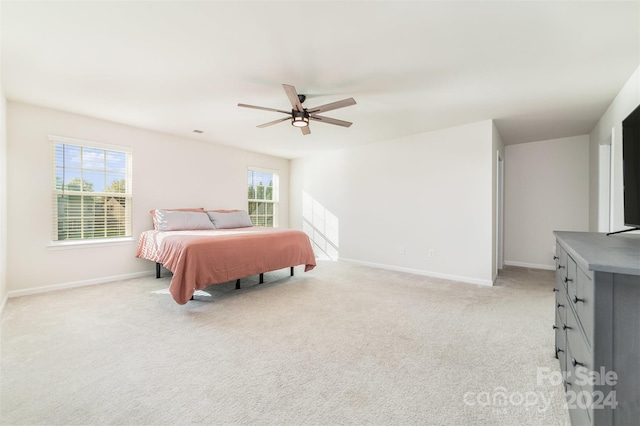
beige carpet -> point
(342, 344)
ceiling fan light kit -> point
(300, 116)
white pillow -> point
(239, 219)
(172, 220)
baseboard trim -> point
(421, 272)
(530, 265)
(94, 281)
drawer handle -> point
(566, 327)
(555, 327)
(560, 305)
(559, 350)
(560, 267)
(576, 299)
(574, 362)
(566, 383)
(555, 289)
(567, 280)
(555, 258)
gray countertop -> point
(619, 254)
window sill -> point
(75, 244)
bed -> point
(200, 257)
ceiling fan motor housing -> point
(296, 113)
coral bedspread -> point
(201, 258)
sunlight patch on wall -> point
(321, 226)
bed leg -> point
(157, 270)
(292, 271)
(238, 284)
(261, 278)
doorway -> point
(499, 213)
(605, 184)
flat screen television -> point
(631, 168)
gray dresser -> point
(597, 326)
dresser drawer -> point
(582, 302)
(579, 367)
(561, 307)
(578, 355)
(579, 391)
(561, 267)
(570, 277)
(561, 321)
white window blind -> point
(92, 191)
(263, 197)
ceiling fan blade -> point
(333, 105)
(271, 123)
(293, 97)
(330, 120)
(264, 108)
(305, 130)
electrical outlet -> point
(401, 250)
(431, 253)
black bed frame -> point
(159, 267)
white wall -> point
(3, 187)
(168, 172)
(626, 101)
(546, 189)
(431, 191)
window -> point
(91, 190)
(263, 197)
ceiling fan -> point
(300, 116)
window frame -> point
(127, 238)
(275, 201)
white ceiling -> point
(542, 69)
